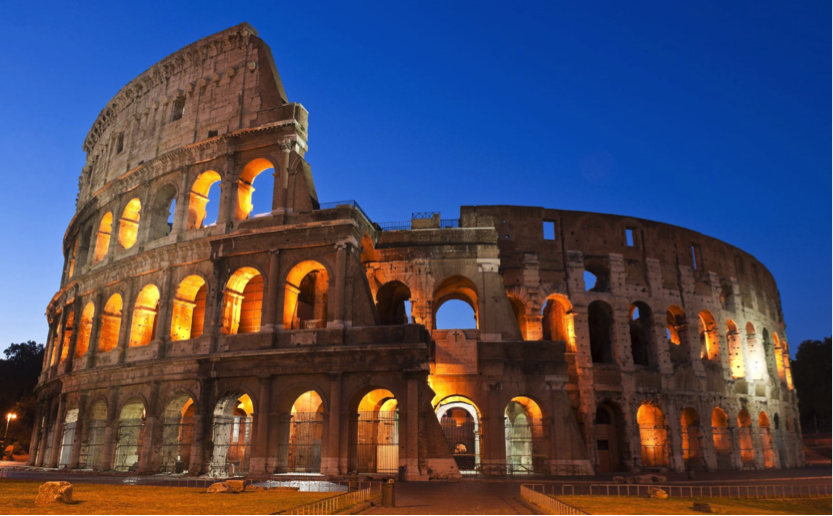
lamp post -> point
(9, 417)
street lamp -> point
(9, 417)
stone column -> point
(147, 433)
(59, 431)
(330, 460)
(202, 418)
(270, 315)
(412, 422)
(707, 435)
(34, 442)
(338, 290)
(663, 355)
(79, 431)
(228, 196)
(59, 348)
(261, 437)
(111, 432)
(494, 432)
(95, 330)
(73, 341)
(45, 432)
(213, 312)
(280, 191)
(164, 313)
(126, 323)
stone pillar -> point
(338, 290)
(663, 354)
(164, 314)
(95, 330)
(41, 460)
(58, 433)
(330, 460)
(79, 431)
(34, 442)
(707, 435)
(228, 201)
(202, 418)
(213, 312)
(412, 430)
(126, 323)
(280, 190)
(674, 437)
(270, 305)
(58, 349)
(77, 308)
(146, 437)
(494, 432)
(111, 432)
(261, 436)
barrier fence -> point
(780, 491)
(547, 502)
(334, 504)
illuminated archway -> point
(188, 319)
(756, 367)
(68, 437)
(519, 311)
(306, 296)
(162, 210)
(557, 323)
(747, 446)
(653, 436)
(460, 420)
(143, 329)
(108, 337)
(129, 224)
(766, 440)
(735, 345)
(232, 436)
(374, 440)
(199, 198)
(67, 338)
(243, 302)
(780, 358)
(675, 329)
(692, 438)
(93, 446)
(722, 438)
(131, 435)
(84, 330)
(709, 340)
(393, 301)
(301, 434)
(102, 239)
(245, 187)
(524, 436)
(457, 288)
(177, 435)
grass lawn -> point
(635, 505)
(18, 497)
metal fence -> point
(546, 502)
(405, 225)
(752, 491)
(377, 443)
(337, 503)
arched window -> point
(301, 432)
(692, 438)
(102, 239)
(254, 170)
(131, 436)
(519, 311)
(747, 446)
(189, 309)
(177, 434)
(144, 317)
(68, 327)
(129, 224)
(766, 440)
(556, 321)
(162, 209)
(243, 302)
(675, 329)
(460, 420)
(653, 434)
(232, 435)
(524, 435)
(735, 345)
(374, 441)
(600, 320)
(84, 330)
(756, 367)
(393, 302)
(108, 337)
(709, 341)
(452, 294)
(722, 438)
(202, 205)
(93, 447)
(641, 326)
(72, 257)
(305, 302)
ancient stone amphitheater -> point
(300, 336)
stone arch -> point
(756, 367)
(131, 434)
(95, 427)
(458, 288)
(188, 318)
(460, 421)
(232, 422)
(709, 340)
(641, 324)
(306, 296)
(243, 301)
(245, 186)
(602, 332)
(69, 324)
(301, 431)
(69, 427)
(722, 439)
(129, 223)
(519, 311)
(177, 432)
(557, 322)
(85, 327)
(745, 441)
(609, 433)
(108, 337)
(766, 440)
(161, 210)
(102, 239)
(780, 357)
(735, 345)
(526, 443)
(392, 302)
(692, 437)
(599, 267)
(653, 436)
(199, 197)
(374, 437)
(143, 329)
(676, 328)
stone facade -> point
(303, 339)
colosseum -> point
(198, 333)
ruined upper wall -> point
(220, 84)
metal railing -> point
(548, 503)
(336, 204)
(405, 225)
(780, 491)
(339, 502)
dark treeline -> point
(811, 372)
(19, 373)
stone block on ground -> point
(236, 486)
(218, 487)
(619, 480)
(54, 492)
(657, 493)
(659, 479)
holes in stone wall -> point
(178, 109)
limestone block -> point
(657, 493)
(54, 492)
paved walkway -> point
(454, 498)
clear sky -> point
(709, 115)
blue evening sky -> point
(709, 115)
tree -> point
(811, 372)
(19, 373)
